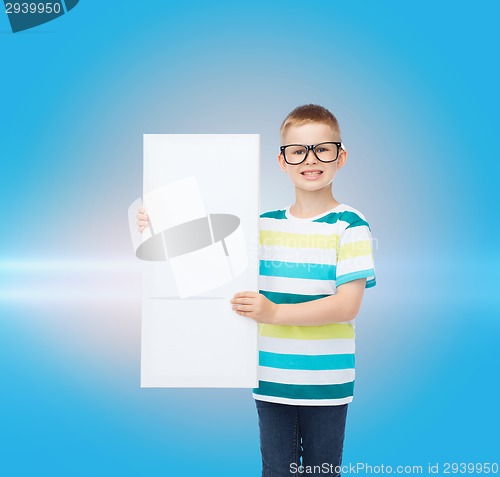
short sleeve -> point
(355, 253)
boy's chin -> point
(313, 187)
(317, 184)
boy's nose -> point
(310, 157)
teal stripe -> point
(313, 271)
(274, 214)
(348, 277)
(305, 391)
(304, 361)
(371, 283)
(331, 218)
(283, 298)
(353, 219)
(358, 223)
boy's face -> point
(312, 174)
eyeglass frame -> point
(312, 147)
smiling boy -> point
(316, 259)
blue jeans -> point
(289, 432)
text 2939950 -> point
(32, 7)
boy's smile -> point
(312, 174)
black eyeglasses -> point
(295, 154)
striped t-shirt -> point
(303, 260)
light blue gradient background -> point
(415, 88)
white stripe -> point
(356, 234)
(325, 256)
(301, 376)
(355, 264)
(303, 402)
(287, 226)
(308, 347)
(301, 286)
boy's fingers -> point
(141, 211)
(242, 301)
(243, 308)
(141, 225)
(244, 294)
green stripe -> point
(281, 298)
(312, 271)
(274, 214)
(303, 361)
(292, 240)
(358, 223)
(330, 218)
(354, 249)
(353, 219)
(355, 275)
(321, 332)
(305, 391)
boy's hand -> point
(255, 306)
(142, 219)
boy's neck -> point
(311, 203)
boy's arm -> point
(342, 306)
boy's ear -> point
(342, 158)
(281, 162)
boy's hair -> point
(309, 113)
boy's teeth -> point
(312, 173)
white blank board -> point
(191, 337)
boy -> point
(316, 259)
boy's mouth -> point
(312, 173)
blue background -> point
(415, 88)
